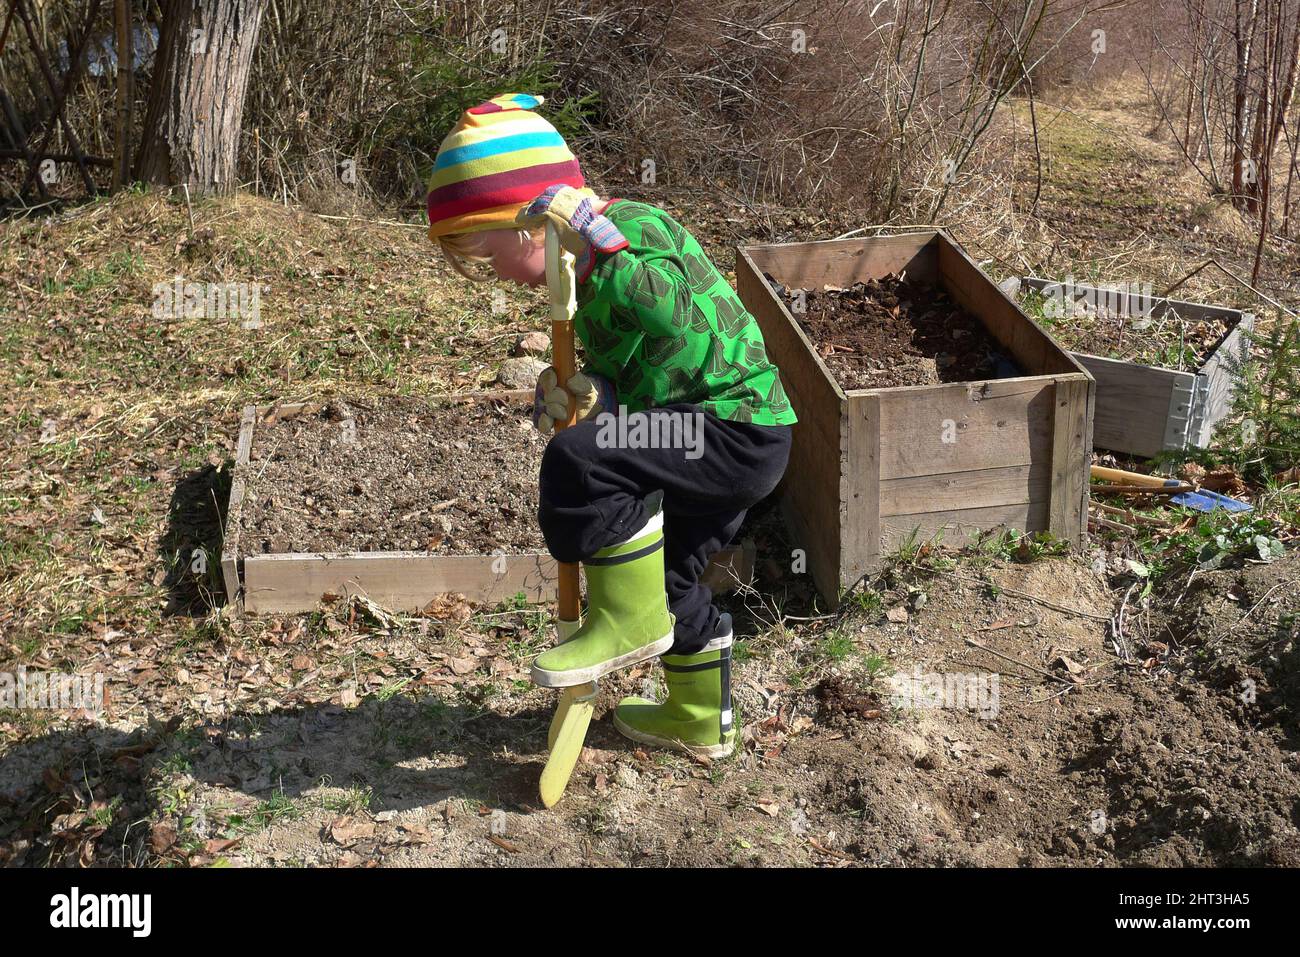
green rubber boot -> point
(696, 718)
(626, 620)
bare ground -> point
(1105, 762)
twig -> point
(1016, 661)
(1077, 612)
(371, 222)
(1107, 523)
(1214, 262)
(1117, 627)
(1131, 515)
(862, 229)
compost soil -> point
(896, 332)
(460, 479)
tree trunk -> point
(196, 100)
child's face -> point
(515, 257)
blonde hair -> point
(465, 252)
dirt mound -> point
(1186, 784)
(1238, 631)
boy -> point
(668, 346)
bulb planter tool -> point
(568, 727)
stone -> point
(532, 344)
(520, 372)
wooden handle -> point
(1131, 478)
(561, 286)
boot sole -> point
(580, 676)
(713, 751)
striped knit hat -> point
(498, 158)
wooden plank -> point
(1036, 351)
(1067, 518)
(815, 451)
(821, 556)
(238, 489)
(1132, 403)
(402, 581)
(807, 375)
(860, 487)
(965, 426)
(406, 580)
(955, 526)
(980, 488)
(842, 262)
(1134, 304)
(1219, 383)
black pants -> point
(593, 494)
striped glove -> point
(583, 231)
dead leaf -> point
(1069, 664)
(449, 607)
(162, 836)
(347, 830)
(590, 755)
(898, 615)
(414, 834)
(462, 666)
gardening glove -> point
(582, 231)
(591, 394)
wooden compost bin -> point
(1144, 409)
(870, 467)
(399, 580)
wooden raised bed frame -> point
(1145, 409)
(399, 580)
(870, 467)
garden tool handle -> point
(561, 287)
(1131, 478)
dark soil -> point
(459, 479)
(896, 332)
(1238, 631)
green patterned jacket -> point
(659, 321)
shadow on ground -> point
(196, 518)
(86, 796)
